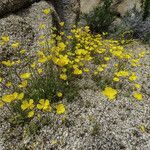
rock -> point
(7, 6)
(24, 26)
(121, 6)
(126, 5)
(35, 17)
(87, 6)
(68, 11)
(18, 30)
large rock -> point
(87, 6)
(7, 6)
(24, 26)
(35, 17)
(126, 5)
(68, 11)
(18, 30)
(121, 6)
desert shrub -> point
(146, 10)
(101, 17)
(33, 84)
(133, 24)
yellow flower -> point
(31, 114)
(142, 54)
(133, 77)
(116, 65)
(60, 109)
(110, 93)
(138, 86)
(69, 37)
(142, 128)
(61, 24)
(86, 69)
(61, 46)
(42, 43)
(87, 28)
(8, 63)
(1, 79)
(2, 43)
(5, 38)
(25, 75)
(62, 33)
(59, 38)
(47, 11)
(23, 84)
(64, 70)
(44, 105)
(116, 79)
(33, 65)
(20, 96)
(1, 104)
(40, 70)
(27, 104)
(42, 59)
(9, 97)
(59, 94)
(106, 58)
(22, 51)
(18, 61)
(62, 61)
(8, 84)
(42, 26)
(15, 45)
(122, 73)
(63, 76)
(77, 71)
(138, 96)
(39, 116)
(95, 72)
(100, 69)
(54, 142)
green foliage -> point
(96, 129)
(32, 128)
(146, 12)
(132, 27)
(101, 17)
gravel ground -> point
(94, 123)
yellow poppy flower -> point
(22, 51)
(8, 63)
(116, 79)
(9, 97)
(47, 11)
(44, 105)
(77, 71)
(110, 93)
(20, 96)
(23, 84)
(40, 70)
(59, 94)
(1, 104)
(61, 24)
(60, 109)
(63, 76)
(138, 96)
(25, 75)
(8, 84)
(5, 38)
(27, 104)
(15, 45)
(31, 114)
